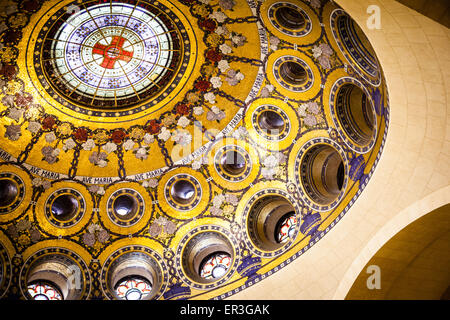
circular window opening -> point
(112, 55)
(50, 277)
(183, 191)
(357, 45)
(272, 122)
(207, 257)
(8, 192)
(272, 222)
(215, 266)
(290, 18)
(233, 162)
(133, 288)
(293, 73)
(134, 276)
(65, 207)
(355, 114)
(322, 174)
(44, 290)
(125, 207)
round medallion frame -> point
(203, 229)
(257, 193)
(335, 103)
(297, 169)
(164, 274)
(36, 45)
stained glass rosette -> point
(133, 289)
(287, 228)
(110, 55)
(44, 291)
(215, 266)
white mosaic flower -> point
(88, 145)
(69, 144)
(225, 49)
(34, 127)
(182, 138)
(164, 134)
(36, 182)
(218, 200)
(101, 191)
(216, 82)
(183, 122)
(102, 163)
(302, 110)
(196, 165)
(271, 161)
(232, 199)
(148, 138)
(268, 173)
(15, 114)
(215, 109)
(270, 87)
(198, 111)
(240, 133)
(222, 31)
(317, 51)
(141, 153)
(239, 76)
(216, 211)
(313, 107)
(310, 120)
(50, 137)
(219, 16)
(153, 183)
(210, 97)
(274, 42)
(128, 145)
(223, 65)
(109, 147)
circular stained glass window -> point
(286, 228)
(133, 288)
(215, 266)
(111, 55)
(44, 291)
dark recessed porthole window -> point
(267, 222)
(64, 207)
(183, 191)
(207, 257)
(322, 174)
(272, 122)
(8, 192)
(290, 18)
(125, 206)
(134, 276)
(355, 114)
(233, 162)
(293, 73)
(51, 277)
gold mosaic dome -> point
(178, 149)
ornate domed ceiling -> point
(177, 149)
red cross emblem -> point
(112, 52)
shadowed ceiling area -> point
(414, 264)
(438, 10)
